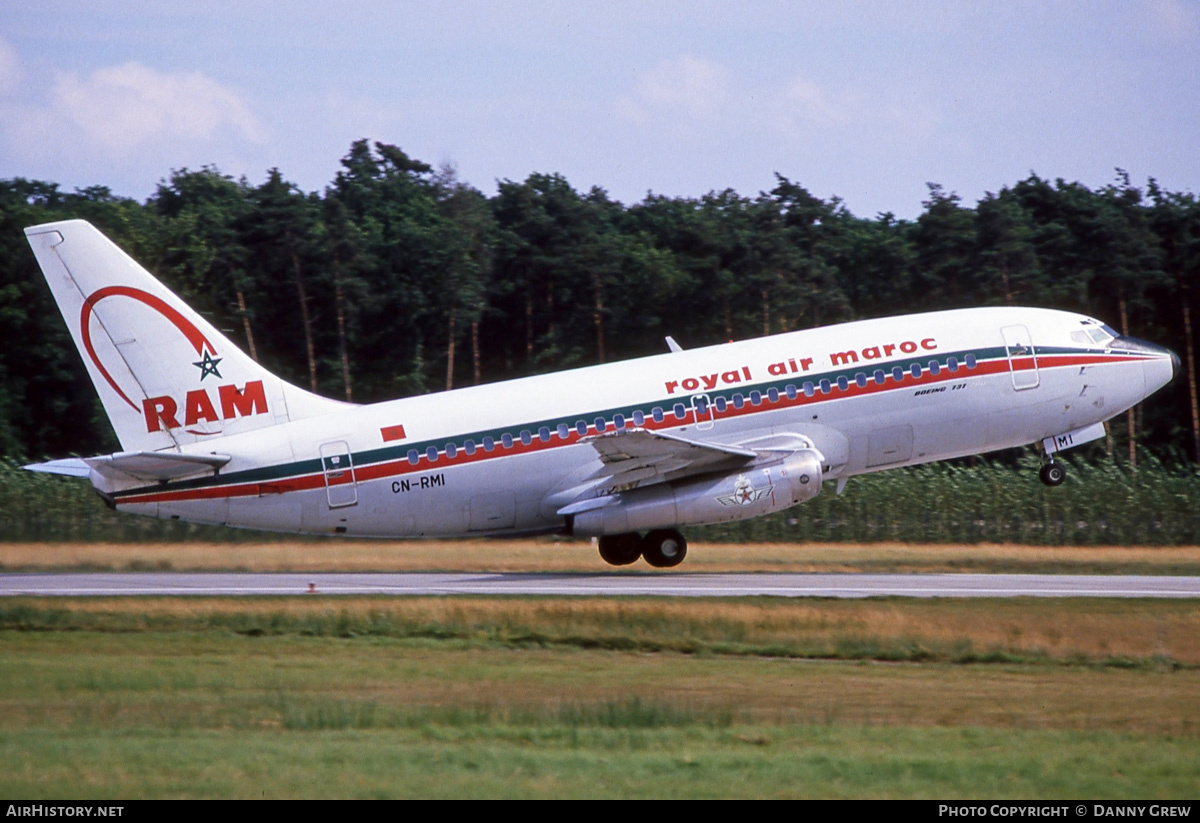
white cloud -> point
(10, 67)
(123, 108)
(1174, 20)
(706, 110)
(808, 100)
(685, 85)
(125, 125)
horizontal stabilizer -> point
(68, 466)
(136, 465)
(156, 465)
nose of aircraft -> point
(1155, 373)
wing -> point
(644, 454)
(636, 457)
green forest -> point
(400, 278)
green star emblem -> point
(208, 366)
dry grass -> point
(1079, 630)
(566, 555)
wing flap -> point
(645, 457)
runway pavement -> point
(676, 584)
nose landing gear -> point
(1053, 474)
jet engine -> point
(760, 488)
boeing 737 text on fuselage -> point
(627, 452)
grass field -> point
(598, 697)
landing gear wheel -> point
(620, 549)
(664, 548)
(1053, 474)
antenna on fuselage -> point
(672, 345)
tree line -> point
(400, 278)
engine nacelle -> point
(759, 489)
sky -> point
(865, 101)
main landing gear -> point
(661, 548)
(1053, 474)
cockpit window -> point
(1094, 335)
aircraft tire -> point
(620, 549)
(664, 548)
(1052, 474)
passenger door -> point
(1022, 359)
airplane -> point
(628, 453)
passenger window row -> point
(679, 411)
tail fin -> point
(166, 377)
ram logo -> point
(198, 406)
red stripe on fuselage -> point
(395, 468)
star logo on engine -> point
(208, 365)
(744, 493)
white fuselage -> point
(506, 457)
